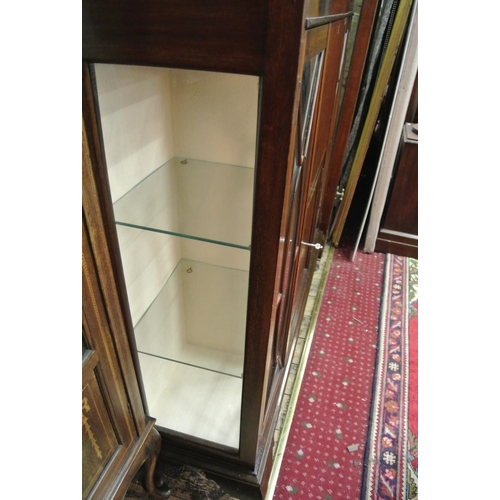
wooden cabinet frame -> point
(267, 39)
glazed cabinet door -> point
(316, 111)
(300, 251)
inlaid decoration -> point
(99, 441)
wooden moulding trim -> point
(313, 22)
(285, 430)
(316, 41)
(412, 238)
(174, 451)
(93, 303)
(403, 248)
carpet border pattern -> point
(386, 458)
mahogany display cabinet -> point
(208, 130)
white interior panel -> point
(215, 116)
(136, 117)
(153, 204)
(155, 373)
(198, 318)
(217, 255)
(188, 298)
(218, 297)
(220, 198)
(148, 261)
(207, 405)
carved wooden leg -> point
(154, 483)
(146, 453)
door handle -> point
(317, 246)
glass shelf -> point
(194, 199)
(196, 402)
(198, 319)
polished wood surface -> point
(402, 210)
(217, 34)
(399, 229)
(279, 102)
(396, 245)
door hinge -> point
(339, 195)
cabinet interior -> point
(180, 148)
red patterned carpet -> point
(354, 430)
(324, 455)
(392, 455)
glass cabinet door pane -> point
(180, 152)
(311, 77)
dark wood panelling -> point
(399, 228)
(315, 41)
(319, 8)
(402, 204)
(204, 34)
(98, 337)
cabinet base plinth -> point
(186, 481)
